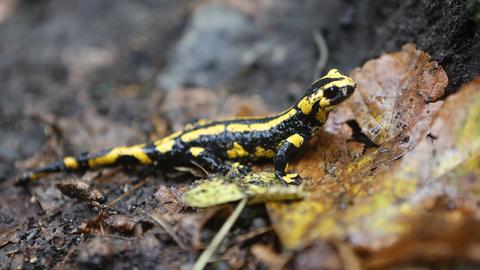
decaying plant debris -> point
(391, 180)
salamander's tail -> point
(125, 155)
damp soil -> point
(81, 75)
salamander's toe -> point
(290, 179)
(240, 168)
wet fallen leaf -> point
(444, 165)
(356, 194)
(432, 238)
(258, 187)
(393, 93)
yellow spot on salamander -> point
(111, 157)
(296, 140)
(262, 152)
(290, 178)
(305, 105)
(335, 74)
(262, 126)
(196, 151)
(217, 129)
(340, 84)
(237, 151)
(238, 128)
(195, 134)
(70, 163)
(166, 144)
(324, 102)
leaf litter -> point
(393, 173)
(373, 193)
(385, 200)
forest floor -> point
(89, 75)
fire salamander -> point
(210, 144)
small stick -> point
(168, 229)
(322, 51)
(135, 187)
(208, 252)
(253, 234)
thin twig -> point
(252, 234)
(168, 229)
(322, 51)
(207, 253)
(135, 187)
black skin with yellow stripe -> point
(211, 144)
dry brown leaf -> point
(432, 238)
(446, 168)
(393, 93)
(351, 195)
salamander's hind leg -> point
(286, 149)
(211, 162)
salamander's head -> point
(326, 92)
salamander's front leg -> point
(287, 147)
(211, 162)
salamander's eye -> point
(330, 92)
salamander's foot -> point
(289, 178)
(235, 170)
(240, 168)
